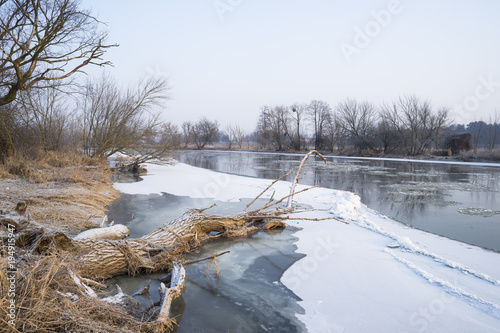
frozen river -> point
(458, 201)
(374, 274)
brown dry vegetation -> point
(42, 307)
(486, 155)
(64, 190)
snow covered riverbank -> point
(372, 275)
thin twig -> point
(300, 218)
(207, 258)
(271, 198)
(267, 188)
(310, 210)
(282, 199)
(297, 175)
(204, 209)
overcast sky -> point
(226, 58)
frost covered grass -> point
(64, 189)
(374, 274)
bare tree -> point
(227, 133)
(272, 127)
(239, 135)
(319, 112)
(45, 41)
(359, 119)
(8, 123)
(187, 133)
(387, 135)
(476, 128)
(114, 121)
(44, 113)
(493, 130)
(205, 132)
(416, 122)
(155, 147)
(235, 135)
(170, 135)
(335, 134)
(293, 124)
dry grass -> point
(487, 155)
(54, 166)
(65, 190)
(43, 303)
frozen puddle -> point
(373, 275)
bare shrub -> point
(44, 113)
(205, 132)
(114, 121)
(358, 119)
(416, 122)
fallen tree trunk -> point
(101, 259)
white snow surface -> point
(372, 275)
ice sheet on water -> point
(423, 188)
(425, 173)
(319, 164)
(478, 212)
(424, 201)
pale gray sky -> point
(226, 58)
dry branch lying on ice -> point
(103, 253)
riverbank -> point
(66, 193)
(63, 191)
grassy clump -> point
(67, 165)
(48, 300)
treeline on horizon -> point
(408, 125)
(105, 119)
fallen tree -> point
(103, 253)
